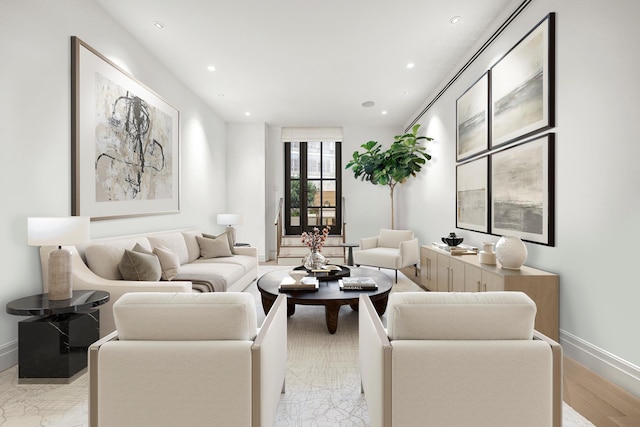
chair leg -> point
(415, 266)
(396, 276)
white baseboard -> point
(607, 365)
(8, 355)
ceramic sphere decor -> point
(511, 252)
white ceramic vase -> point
(511, 252)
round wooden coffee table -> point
(328, 294)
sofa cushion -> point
(185, 316)
(103, 258)
(228, 236)
(192, 244)
(169, 262)
(140, 264)
(173, 240)
(220, 275)
(392, 238)
(460, 316)
(213, 248)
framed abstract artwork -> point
(522, 195)
(522, 86)
(125, 142)
(472, 195)
(472, 120)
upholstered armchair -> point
(393, 249)
(189, 359)
(458, 359)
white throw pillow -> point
(169, 261)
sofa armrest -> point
(246, 250)
(368, 243)
(93, 354)
(269, 364)
(375, 363)
(556, 354)
(409, 252)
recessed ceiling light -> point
(410, 65)
(368, 104)
(159, 25)
(455, 20)
(384, 112)
(405, 93)
(247, 113)
(221, 95)
(211, 68)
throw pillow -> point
(169, 262)
(140, 264)
(229, 239)
(214, 248)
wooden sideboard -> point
(442, 272)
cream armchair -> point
(459, 359)
(393, 249)
(189, 359)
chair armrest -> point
(93, 355)
(368, 243)
(409, 252)
(269, 364)
(246, 250)
(556, 355)
(375, 363)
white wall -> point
(246, 151)
(35, 164)
(597, 179)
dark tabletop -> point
(328, 290)
(40, 305)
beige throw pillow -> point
(140, 264)
(214, 248)
(169, 262)
(229, 239)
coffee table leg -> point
(267, 303)
(291, 309)
(354, 307)
(380, 305)
(331, 312)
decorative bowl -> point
(452, 239)
(297, 275)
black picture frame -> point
(522, 190)
(472, 119)
(523, 86)
(472, 195)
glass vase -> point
(314, 261)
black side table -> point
(52, 345)
(350, 246)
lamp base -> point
(59, 274)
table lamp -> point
(230, 220)
(58, 232)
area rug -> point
(323, 380)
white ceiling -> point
(310, 63)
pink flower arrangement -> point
(316, 238)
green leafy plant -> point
(402, 160)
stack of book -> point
(306, 284)
(357, 284)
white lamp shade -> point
(229, 219)
(58, 231)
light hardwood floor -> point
(598, 400)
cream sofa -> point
(196, 359)
(95, 267)
(459, 359)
